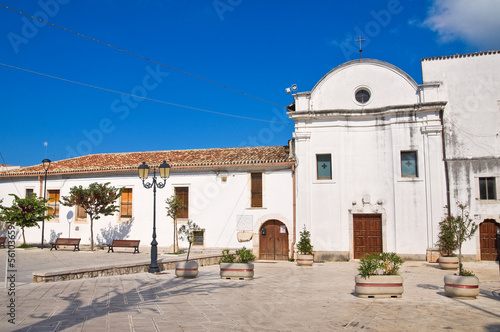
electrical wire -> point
(142, 57)
(141, 97)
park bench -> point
(2, 241)
(125, 244)
(66, 241)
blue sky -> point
(256, 47)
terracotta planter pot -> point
(448, 262)
(379, 286)
(236, 270)
(461, 286)
(186, 269)
(305, 260)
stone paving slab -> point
(281, 297)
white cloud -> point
(474, 22)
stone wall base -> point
(105, 271)
(331, 256)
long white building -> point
(374, 161)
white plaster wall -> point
(388, 85)
(365, 149)
(471, 86)
(214, 205)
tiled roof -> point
(107, 162)
(461, 55)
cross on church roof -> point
(360, 40)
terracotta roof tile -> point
(461, 55)
(176, 158)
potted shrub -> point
(379, 276)
(305, 255)
(239, 266)
(187, 269)
(465, 284)
(447, 244)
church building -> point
(375, 162)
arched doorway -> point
(488, 234)
(273, 241)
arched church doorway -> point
(489, 237)
(273, 241)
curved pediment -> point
(361, 84)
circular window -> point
(362, 96)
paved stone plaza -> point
(281, 297)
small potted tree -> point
(237, 268)
(187, 269)
(465, 284)
(305, 255)
(379, 276)
(447, 244)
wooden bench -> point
(2, 241)
(66, 241)
(125, 244)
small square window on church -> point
(409, 164)
(487, 188)
(324, 166)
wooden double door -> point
(367, 229)
(273, 241)
(488, 234)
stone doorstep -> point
(118, 269)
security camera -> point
(294, 87)
(288, 91)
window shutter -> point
(182, 193)
(256, 189)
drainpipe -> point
(446, 178)
(294, 210)
(41, 183)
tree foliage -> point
(174, 206)
(25, 212)
(186, 232)
(464, 229)
(447, 241)
(98, 199)
(304, 245)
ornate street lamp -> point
(46, 165)
(164, 169)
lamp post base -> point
(154, 269)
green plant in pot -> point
(447, 244)
(305, 255)
(187, 269)
(465, 284)
(379, 276)
(237, 266)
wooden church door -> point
(273, 241)
(367, 234)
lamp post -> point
(46, 165)
(164, 169)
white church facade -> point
(374, 160)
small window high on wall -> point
(409, 164)
(487, 188)
(324, 166)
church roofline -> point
(420, 107)
(456, 56)
(367, 61)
